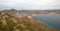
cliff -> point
(12, 23)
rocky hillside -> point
(11, 23)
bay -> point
(50, 20)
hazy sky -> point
(30, 4)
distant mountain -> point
(12, 23)
(13, 11)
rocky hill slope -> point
(11, 23)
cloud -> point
(30, 4)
